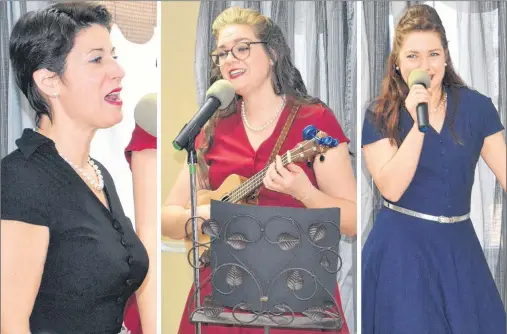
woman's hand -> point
(418, 94)
(203, 211)
(203, 214)
(291, 181)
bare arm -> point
(144, 176)
(23, 254)
(337, 188)
(174, 214)
(494, 154)
(393, 168)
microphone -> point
(420, 77)
(218, 96)
(145, 113)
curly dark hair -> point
(43, 39)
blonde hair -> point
(237, 15)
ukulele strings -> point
(246, 188)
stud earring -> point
(55, 94)
(397, 68)
(445, 64)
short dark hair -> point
(43, 39)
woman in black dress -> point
(70, 258)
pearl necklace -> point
(441, 103)
(268, 123)
(95, 185)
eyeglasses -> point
(240, 51)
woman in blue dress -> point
(423, 268)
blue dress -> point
(420, 276)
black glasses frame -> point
(214, 56)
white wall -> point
(141, 77)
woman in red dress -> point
(253, 55)
(141, 155)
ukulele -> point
(237, 189)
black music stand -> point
(270, 267)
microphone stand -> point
(192, 167)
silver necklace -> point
(95, 185)
(441, 103)
(268, 123)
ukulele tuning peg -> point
(309, 132)
(322, 158)
(326, 141)
(309, 164)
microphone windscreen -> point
(145, 113)
(223, 91)
(419, 77)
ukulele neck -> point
(249, 186)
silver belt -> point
(439, 219)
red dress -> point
(231, 153)
(140, 140)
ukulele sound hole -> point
(225, 198)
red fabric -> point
(231, 153)
(140, 140)
(131, 317)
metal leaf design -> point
(244, 306)
(316, 232)
(283, 308)
(205, 258)
(315, 313)
(325, 261)
(287, 241)
(211, 310)
(210, 227)
(295, 281)
(234, 277)
(330, 306)
(237, 241)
